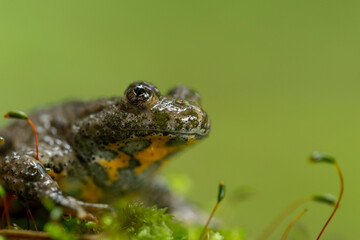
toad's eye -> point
(141, 94)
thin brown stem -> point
(338, 201)
(3, 213)
(24, 234)
(272, 226)
(7, 203)
(208, 221)
(32, 218)
(297, 217)
(27, 219)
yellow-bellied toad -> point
(94, 152)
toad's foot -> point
(27, 178)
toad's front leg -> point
(27, 178)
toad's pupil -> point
(139, 91)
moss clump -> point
(134, 221)
(145, 223)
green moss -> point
(2, 191)
(139, 222)
(134, 221)
(58, 232)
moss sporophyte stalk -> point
(321, 198)
(323, 158)
(221, 195)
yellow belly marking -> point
(121, 161)
(148, 156)
(91, 193)
(157, 151)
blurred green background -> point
(279, 80)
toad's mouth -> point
(198, 133)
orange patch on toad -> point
(56, 176)
(121, 161)
(91, 193)
(157, 151)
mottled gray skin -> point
(75, 137)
